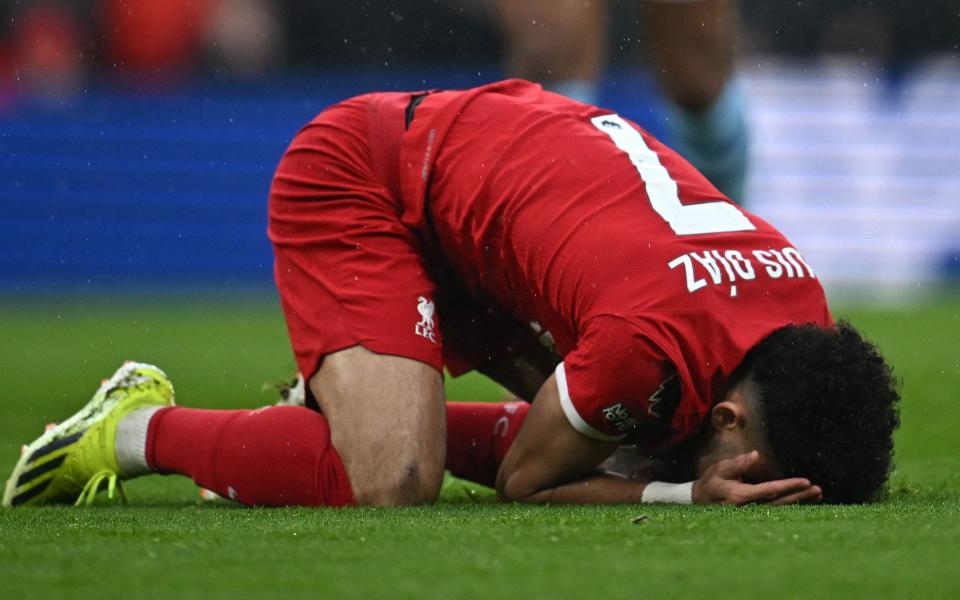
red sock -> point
(274, 456)
(479, 435)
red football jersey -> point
(652, 285)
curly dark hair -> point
(831, 405)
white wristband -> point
(673, 493)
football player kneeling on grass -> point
(561, 250)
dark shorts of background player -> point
(349, 271)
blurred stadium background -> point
(137, 142)
(138, 137)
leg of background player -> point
(692, 47)
(559, 43)
(387, 421)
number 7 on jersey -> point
(708, 217)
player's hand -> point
(723, 483)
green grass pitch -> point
(167, 542)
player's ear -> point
(726, 415)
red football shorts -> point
(348, 271)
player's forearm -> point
(597, 488)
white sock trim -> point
(131, 446)
(672, 493)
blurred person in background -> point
(161, 37)
(244, 38)
(46, 49)
(236, 38)
(562, 44)
(52, 46)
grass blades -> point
(166, 542)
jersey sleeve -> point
(617, 385)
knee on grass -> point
(403, 483)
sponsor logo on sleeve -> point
(618, 416)
(660, 407)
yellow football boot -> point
(70, 462)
